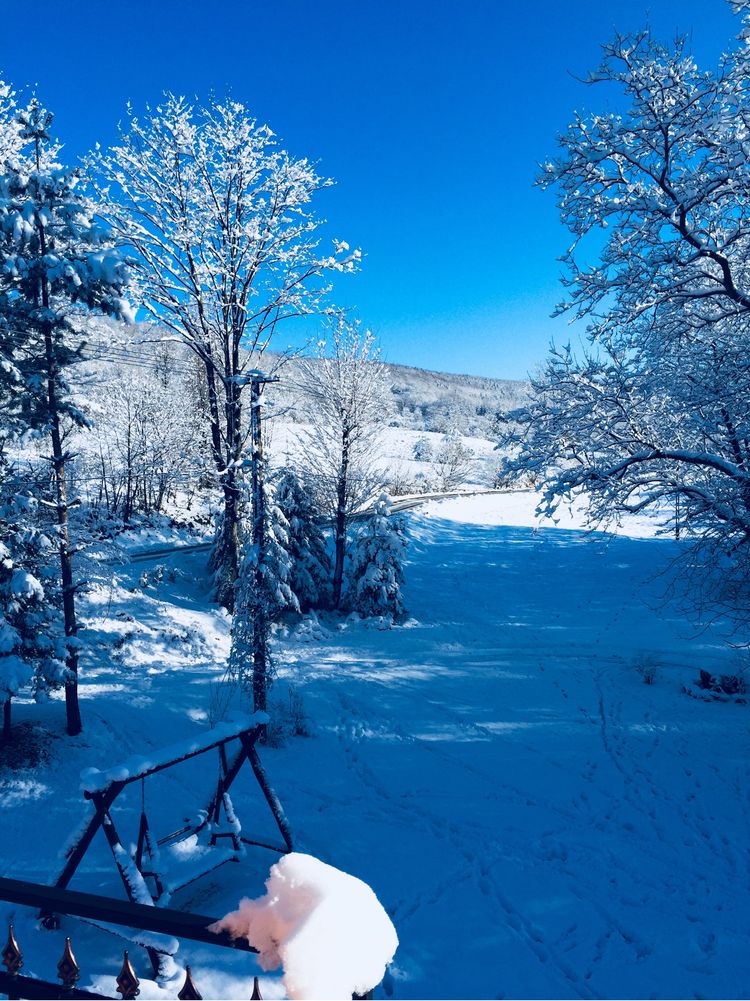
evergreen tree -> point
(32, 642)
(263, 594)
(310, 562)
(56, 262)
(376, 572)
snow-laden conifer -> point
(264, 593)
(56, 262)
(376, 574)
(310, 563)
(32, 641)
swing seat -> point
(187, 860)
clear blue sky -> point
(431, 116)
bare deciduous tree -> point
(656, 414)
(226, 247)
(348, 398)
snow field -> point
(536, 820)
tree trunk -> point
(6, 722)
(225, 556)
(340, 520)
(72, 709)
(260, 616)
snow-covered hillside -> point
(422, 400)
(537, 821)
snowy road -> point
(537, 820)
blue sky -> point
(431, 116)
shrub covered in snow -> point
(376, 573)
(453, 462)
(327, 929)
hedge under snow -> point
(327, 929)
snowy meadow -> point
(497, 757)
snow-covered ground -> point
(536, 820)
(395, 454)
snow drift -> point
(327, 929)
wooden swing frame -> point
(103, 799)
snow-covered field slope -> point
(394, 455)
(537, 821)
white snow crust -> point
(327, 929)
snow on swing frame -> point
(102, 787)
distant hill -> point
(431, 401)
(440, 401)
(423, 400)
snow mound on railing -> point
(327, 929)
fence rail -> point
(163, 920)
(15, 986)
(91, 906)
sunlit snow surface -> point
(535, 819)
(325, 928)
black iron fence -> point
(162, 920)
(15, 985)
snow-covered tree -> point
(669, 180)
(452, 462)
(656, 414)
(11, 380)
(220, 222)
(375, 574)
(32, 641)
(264, 593)
(422, 450)
(310, 570)
(56, 262)
(145, 439)
(348, 396)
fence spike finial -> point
(12, 955)
(189, 991)
(256, 995)
(68, 970)
(128, 983)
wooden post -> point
(271, 798)
(5, 739)
(258, 541)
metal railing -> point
(92, 907)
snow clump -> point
(327, 929)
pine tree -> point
(310, 562)
(56, 263)
(263, 594)
(376, 572)
(32, 642)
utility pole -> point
(258, 538)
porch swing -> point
(158, 867)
